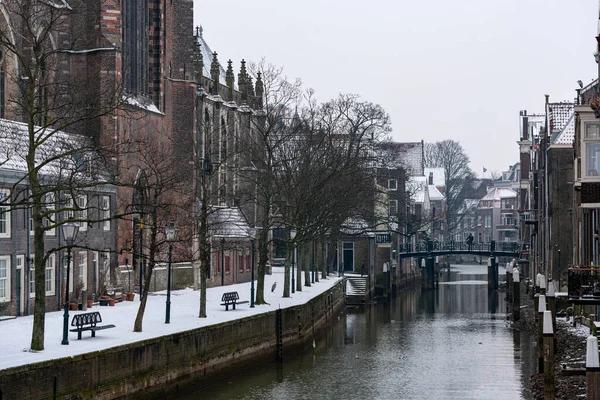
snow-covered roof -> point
(406, 155)
(439, 176)
(468, 206)
(207, 56)
(500, 193)
(59, 155)
(355, 226)
(228, 222)
(434, 193)
(561, 117)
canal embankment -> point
(570, 350)
(187, 357)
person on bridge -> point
(470, 241)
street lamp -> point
(293, 236)
(312, 264)
(252, 238)
(222, 261)
(171, 234)
(69, 231)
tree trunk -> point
(39, 310)
(307, 255)
(286, 274)
(204, 254)
(298, 269)
(137, 325)
(323, 260)
(316, 264)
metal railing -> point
(453, 246)
(583, 282)
(529, 216)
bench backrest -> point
(230, 296)
(91, 319)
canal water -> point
(454, 343)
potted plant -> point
(111, 302)
(103, 300)
(130, 296)
(90, 300)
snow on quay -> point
(15, 334)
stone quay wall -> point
(178, 360)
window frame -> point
(394, 186)
(50, 273)
(7, 279)
(105, 207)
(585, 175)
(82, 268)
(7, 221)
(30, 274)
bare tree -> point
(51, 100)
(449, 155)
(160, 200)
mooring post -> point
(592, 369)
(551, 299)
(509, 281)
(548, 333)
(430, 266)
(536, 304)
(516, 295)
(542, 284)
(540, 338)
(537, 282)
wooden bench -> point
(231, 298)
(88, 322)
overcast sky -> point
(459, 69)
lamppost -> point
(222, 261)
(293, 236)
(252, 239)
(69, 231)
(171, 234)
(312, 266)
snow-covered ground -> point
(15, 334)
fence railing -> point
(459, 247)
(583, 282)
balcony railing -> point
(583, 282)
(529, 216)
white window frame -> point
(5, 279)
(95, 268)
(105, 207)
(505, 218)
(70, 277)
(392, 184)
(393, 203)
(488, 221)
(82, 214)
(31, 277)
(50, 205)
(50, 274)
(585, 170)
(82, 269)
(5, 212)
(69, 204)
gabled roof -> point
(434, 193)
(500, 193)
(207, 56)
(406, 155)
(561, 117)
(439, 176)
(64, 155)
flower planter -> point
(103, 300)
(130, 296)
(111, 302)
(73, 306)
(90, 303)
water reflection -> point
(453, 343)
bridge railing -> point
(459, 247)
(583, 282)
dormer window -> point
(591, 150)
